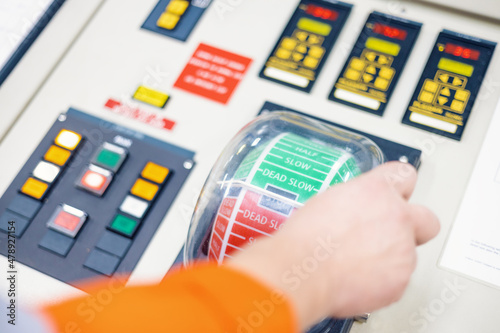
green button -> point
(124, 225)
(108, 158)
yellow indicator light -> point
(383, 46)
(177, 7)
(34, 188)
(150, 96)
(144, 189)
(313, 26)
(57, 155)
(168, 20)
(455, 67)
(155, 172)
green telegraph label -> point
(297, 165)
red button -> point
(67, 221)
(93, 180)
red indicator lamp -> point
(390, 32)
(322, 13)
(462, 52)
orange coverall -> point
(206, 298)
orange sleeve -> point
(206, 298)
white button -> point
(134, 206)
(68, 139)
(46, 171)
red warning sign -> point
(213, 73)
(139, 115)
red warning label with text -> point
(213, 73)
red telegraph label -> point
(213, 73)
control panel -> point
(106, 147)
(375, 63)
(175, 18)
(305, 44)
(449, 84)
(85, 204)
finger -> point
(401, 176)
(425, 222)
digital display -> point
(323, 13)
(383, 46)
(456, 67)
(313, 26)
(463, 52)
(390, 32)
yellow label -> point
(150, 96)
(313, 26)
(382, 46)
(456, 67)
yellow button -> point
(457, 81)
(430, 86)
(288, 43)
(177, 7)
(384, 46)
(442, 100)
(297, 56)
(302, 48)
(311, 62)
(371, 56)
(367, 78)
(457, 106)
(283, 54)
(34, 188)
(445, 92)
(68, 139)
(426, 97)
(386, 73)
(316, 51)
(155, 172)
(144, 189)
(351, 74)
(302, 36)
(462, 95)
(168, 20)
(371, 70)
(381, 83)
(315, 39)
(357, 64)
(151, 96)
(57, 155)
(383, 60)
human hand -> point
(349, 250)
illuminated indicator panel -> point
(306, 42)
(450, 82)
(87, 206)
(375, 64)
